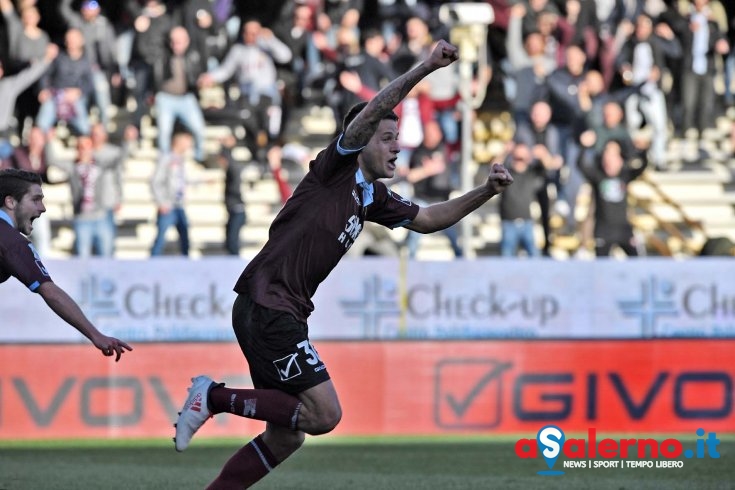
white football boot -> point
(195, 411)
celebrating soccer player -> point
(21, 202)
(293, 391)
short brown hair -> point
(356, 109)
(16, 183)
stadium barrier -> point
(398, 387)
(174, 299)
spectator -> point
(344, 12)
(30, 157)
(375, 70)
(538, 135)
(415, 47)
(321, 56)
(528, 169)
(100, 45)
(579, 25)
(391, 18)
(110, 158)
(236, 216)
(730, 58)
(11, 87)
(89, 197)
(547, 24)
(252, 63)
(444, 94)
(431, 176)
(593, 97)
(169, 190)
(612, 127)
(27, 43)
(702, 41)
(295, 28)
(176, 76)
(535, 11)
(566, 115)
(338, 97)
(641, 61)
(609, 175)
(528, 65)
(609, 15)
(207, 22)
(66, 87)
(366, 62)
(152, 26)
(289, 164)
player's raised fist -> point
(499, 178)
(443, 54)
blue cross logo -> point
(656, 301)
(378, 303)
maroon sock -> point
(248, 465)
(272, 406)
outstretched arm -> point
(443, 215)
(361, 128)
(64, 306)
(72, 18)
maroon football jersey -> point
(18, 258)
(315, 228)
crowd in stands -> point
(582, 80)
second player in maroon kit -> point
(21, 202)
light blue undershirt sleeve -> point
(345, 151)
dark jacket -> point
(660, 47)
(65, 72)
(687, 40)
(150, 46)
(194, 65)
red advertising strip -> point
(62, 391)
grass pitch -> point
(335, 463)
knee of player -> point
(327, 420)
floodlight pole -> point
(471, 41)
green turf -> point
(335, 463)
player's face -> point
(29, 208)
(378, 158)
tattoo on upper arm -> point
(358, 133)
(363, 127)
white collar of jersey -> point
(367, 188)
(6, 217)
